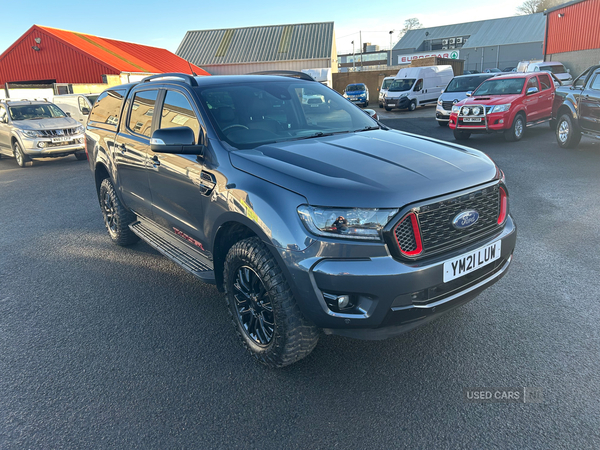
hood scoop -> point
(481, 98)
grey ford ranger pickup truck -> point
(308, 219)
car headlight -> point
(79, 129)
(345, 95)
(348, 223)
(455, 109)
(440, 101)
(500, 108)
(31, 133)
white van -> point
(416, 86)
(385, 84)
(557, 68)
(77, 106)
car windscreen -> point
(32, 112)
(92, 98)
(386, 83)
(465, 84)
(402, 85)
(355, 87)
(496, 86)
(249, 114)
(553, 69)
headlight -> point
(348, 223)
(79, 129)
(440, 101)
(31, 134)
(455, 109)
(500, 108)
(345, 95)
(403, 95)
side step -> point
(179, 252)
(538, 122)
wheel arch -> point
(567, 108)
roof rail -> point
(184, 76)
(286, 73)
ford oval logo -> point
(465, 219)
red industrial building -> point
(572, 35)
(46, 56)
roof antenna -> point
(192, 70)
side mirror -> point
(470, 94)
(568, 70)
(68, 114)
(442, 91)
(532, 90)
(177, 140)
(85, 111)
(3, 119)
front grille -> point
(447, 105)
(314, 100)
(405, 236)
(58, 133)
(438, 234)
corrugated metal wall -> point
(577, 29)
(242, 69)
(54, 61)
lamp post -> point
(353, 58)
(391, 32)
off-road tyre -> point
(517, 129)
(293, 337)
(567, 134)
(22, 159)
(412, 105)
(116, 217)
(461, 135)
(81, 156)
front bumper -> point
(390, 296)
(31, 146)
(441, 114)
(490, 123)
(400, 102)
(361, 100)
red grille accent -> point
(416, 245)
(503, 206)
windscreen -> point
(405, 84)
(250, 114)
(495, 86)
(553, 69)
(386, 83)
(33, 112)
(355, 87)
(465, 84)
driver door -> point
(589, 105)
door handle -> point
(122, 147)
(155, 161)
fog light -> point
(343, 301)
(81, 140)
(501, 121)
(337, 302)
(42, 144)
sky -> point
(164, 23)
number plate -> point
(472, 119)
(471, 261)
(61, 139)
(314, 106)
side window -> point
(107, 108)
(545, 81)
(533, 82)
(595, 85)
(419, 85)
(177, 112)
(82, 103)
(142, 110)
(2, 114)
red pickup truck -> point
(505, 104)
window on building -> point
(140, 120)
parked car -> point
(509, 69)
(576, 109)
(554, 67)
(38, 129)
(330, 222)
(492, 70)
(471, 72)
(415, 86)
(77, 106)
(455, 92)
(505, 104)
(357, 93)
(385, 84)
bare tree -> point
(537, 6)
(410, 24)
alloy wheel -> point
(519, 128)
(108, 211)
(18, 155)
(563, 131)
(253, 306)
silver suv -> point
(38, 129)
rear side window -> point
(596, 84)
(107, 109)
(533, 82)
(545, 81)
(142, 111)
